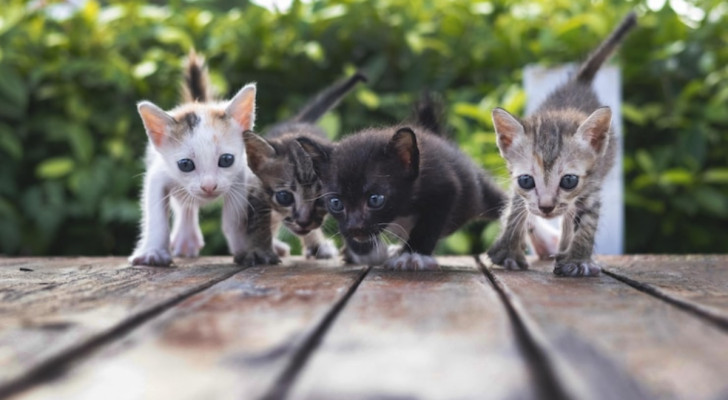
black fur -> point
(421, 175)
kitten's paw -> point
(506, 258)
(544, 239)
(577, 268)
(187, 245)
(155, 258)
(412, 261)
(256, 257)
(281, 248)
(322, 251)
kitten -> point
(558, 158)
(195, 155)
(287, 174)
(404, 180)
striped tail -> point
(328, 99)
(590, 67)
(196, 87)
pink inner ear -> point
(596, 129)
(506, 128)
(155, 126)
(243, 111)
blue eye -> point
(375, 201)
(569, 182)
(226, 160)
(284, 198)
(335, 205)
(186, 165)
(526, 182)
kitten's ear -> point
(594, 132)
(156, 121)
(241, 107)
(403, 145)
(319, 153)
(508, 130)
(258, 150)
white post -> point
(539, 82)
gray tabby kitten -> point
(287, 173)
(558, 158)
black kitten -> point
(405, 180)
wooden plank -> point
(52, 310)
(698, 283)
(419, 335)
(236, 340)
(602, 335)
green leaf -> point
(716, 175)
(54, 168)
(677, 177)
(368, 98)
(10, 143)
(712, 201)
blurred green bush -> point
(71, 143)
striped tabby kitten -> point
(287, 173)
(196, 154)
(558, 158)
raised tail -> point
(328, 99)
(590, 67)
(429, 112)
(196, 86)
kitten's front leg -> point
(247, 229)
(187, 238)
(317, 246)
(416, 254)
(507, 251)
(577, 242)
(153, 246)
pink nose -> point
(209, 189)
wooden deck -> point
(97, 328)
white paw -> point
(544, 239)
(281, 248)
(153, 257)
(412, 261)
(187, 244)
(324, 250)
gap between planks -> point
(691, 308)
(59, 363)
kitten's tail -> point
(590, 67)
(328, 99)
(196, 85)
(429, 112)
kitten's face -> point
(290, 180)
(202, 143)
(369, 182)
(551, 158)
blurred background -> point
(71, 72)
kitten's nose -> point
(209, 188)
(546, 209)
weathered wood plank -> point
(698, 283)
(602, 335)
(419, 335)
(236, 340)
(51, 310)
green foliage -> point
(71, 143)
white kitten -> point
(196, 154)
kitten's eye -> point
(284, 198)
(226, 160)
(375, 201)
(186, 165)
(569, 182)
(335, 205)
(526, 182)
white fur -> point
(165, 183)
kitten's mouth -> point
(361, 243)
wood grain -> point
(612, 341)
(236, 340)
(52, 309)
(419, 335)
(698, 283)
